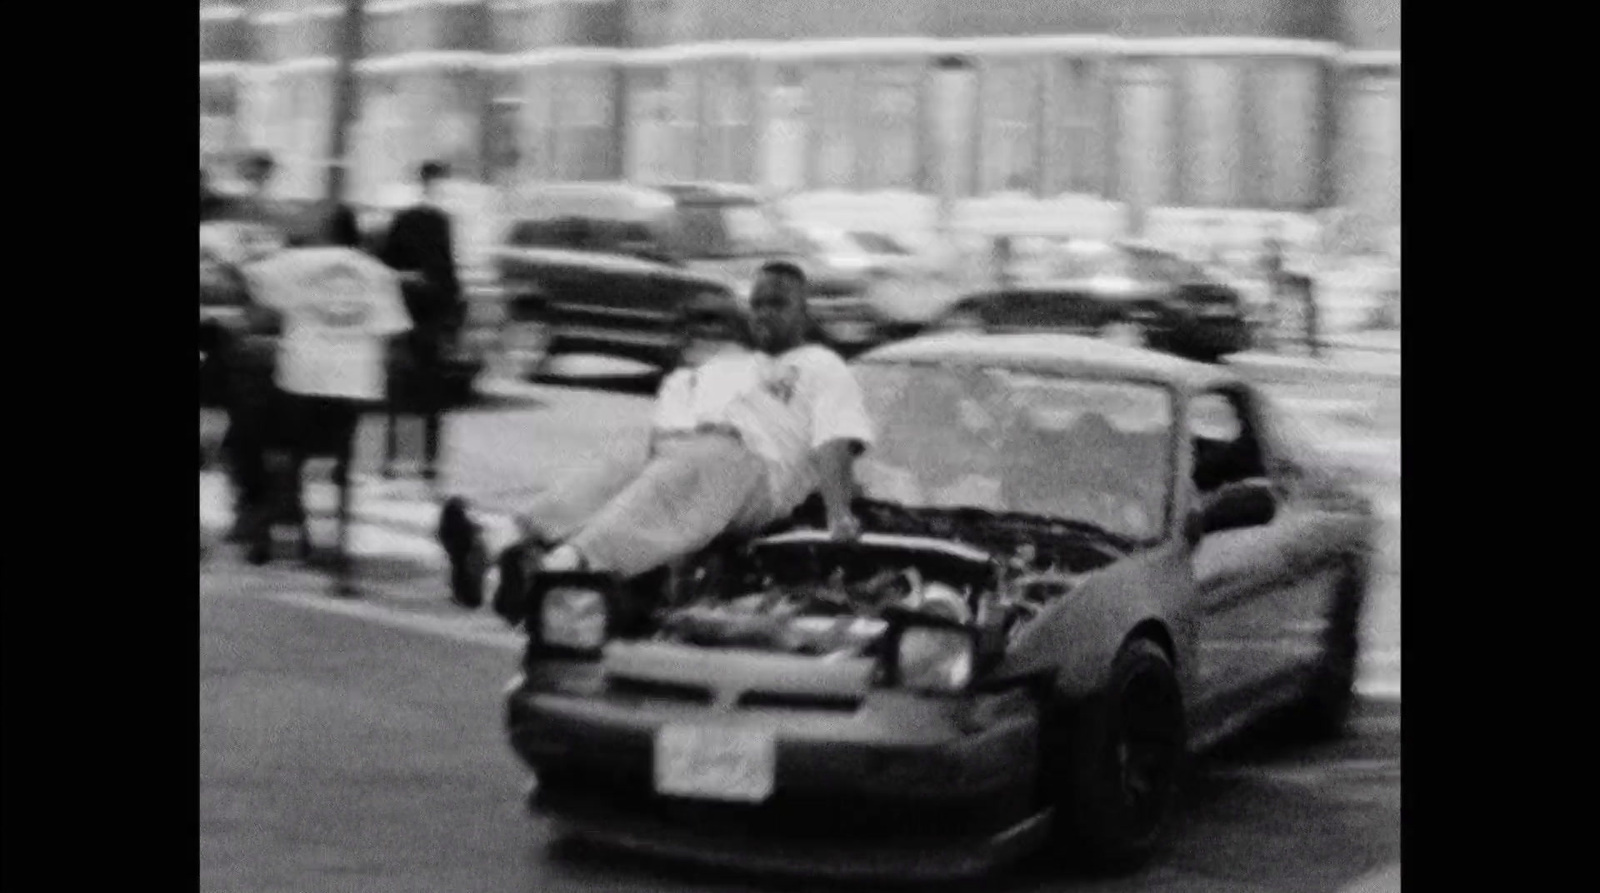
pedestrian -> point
(737, 444)
(420, 248)
(256, 227)
(339, 309)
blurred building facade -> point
(1227, 105)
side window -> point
(1226, 448)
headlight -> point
(574, 618)
(933, 659)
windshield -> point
(581, 233)
(723, 230)
(1007, 441)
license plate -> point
(715, 763)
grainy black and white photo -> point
(790, 445)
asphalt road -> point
(343, 753)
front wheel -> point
(1127, 751)
(524, 349)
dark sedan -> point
(1125, 291)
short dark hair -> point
(433, 170)
(785, 268)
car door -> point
(1315, 532)
(1239, 575)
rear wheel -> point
(1127, 748)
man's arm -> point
(674, 415)
(834, 462)
(840, 431)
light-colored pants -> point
(628, 520)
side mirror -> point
(1236, 506)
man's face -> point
(780, 313)
(258, 175)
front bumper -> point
(898, 787)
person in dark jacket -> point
(420, 248)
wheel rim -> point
(1147, 746)
(524, 346)
(1125, 334)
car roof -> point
(1056, 353)
(622, 199)
(705, 191)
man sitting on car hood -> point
(738, 443)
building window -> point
(1371, 152)
(1009, 116)
(892, 126)
(784, 145)
(685, 98)
(1288, 107)
(727, 123)
(1077, 128)
(1145, 139)
(503, 142)
(649, 125)
(537, 125)
(834, 158)
(586, 123)
(1213, 133)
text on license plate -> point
(715, 763)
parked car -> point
(1127, 291)
(1081, 562)
(602, 267)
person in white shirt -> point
(338, 308)
(739, 440)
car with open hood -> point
(1081, 563)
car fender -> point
(1075, 639)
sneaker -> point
(463, 544)
(518, 565)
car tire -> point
(525, 349)
(1323, 714)
(1111, 813)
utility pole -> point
(352, 37)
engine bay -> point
(800, 593)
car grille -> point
(758, 700)
(626, 689)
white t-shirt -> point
(784, 407)
(340, 309)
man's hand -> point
(843, 526)
(837, 486)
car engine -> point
(806, 595)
